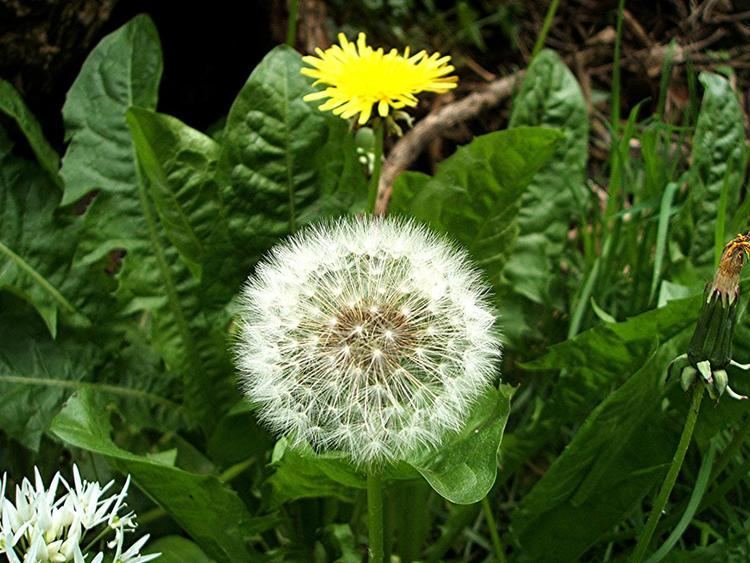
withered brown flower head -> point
(710, 350)
(727, 278)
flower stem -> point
(492, 525)
(375, 517)
(542, 37)
(372, 191)
(236, 470)
(291, 26)
(666, 487)
(104, 531)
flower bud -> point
(710, 349)
(712, 339)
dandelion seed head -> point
(372, 337)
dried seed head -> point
(726, 283)
(368, 336)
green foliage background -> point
(120, 262)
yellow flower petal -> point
(358, 77)
(383, 108)
(312, 96)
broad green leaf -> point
(228, 446)
(37, 373)
(285, 163)
(608, 348)
(176, 549)
(464, 469)
(123, 70)
(37, 244)
(160, 247)
(188, 333)
(550, 97)
(303, 474)
(475, 193)
(593, 364)
(13, 105)
(619, 453)
(35, 249)
(346, 544)
(180, 163)
(406, 187)
(717, 163)
(208, 510)
(136, 385)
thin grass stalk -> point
(379, 132)
(291, 26)
(669, 481)
(497, 545)
(542, 37)
(615, 109)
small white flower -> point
(132, 555)
(42, 526)
(367, 336)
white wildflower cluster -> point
(42, 526)
(367, 336)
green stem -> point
(615, 109)
(291, 26)
(583, 300)
(666, 487)
(375, 517)
(372, 191)
(492, 525)
(542, 37)
(236, 470)
(101, 535)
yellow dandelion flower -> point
(358, 77)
